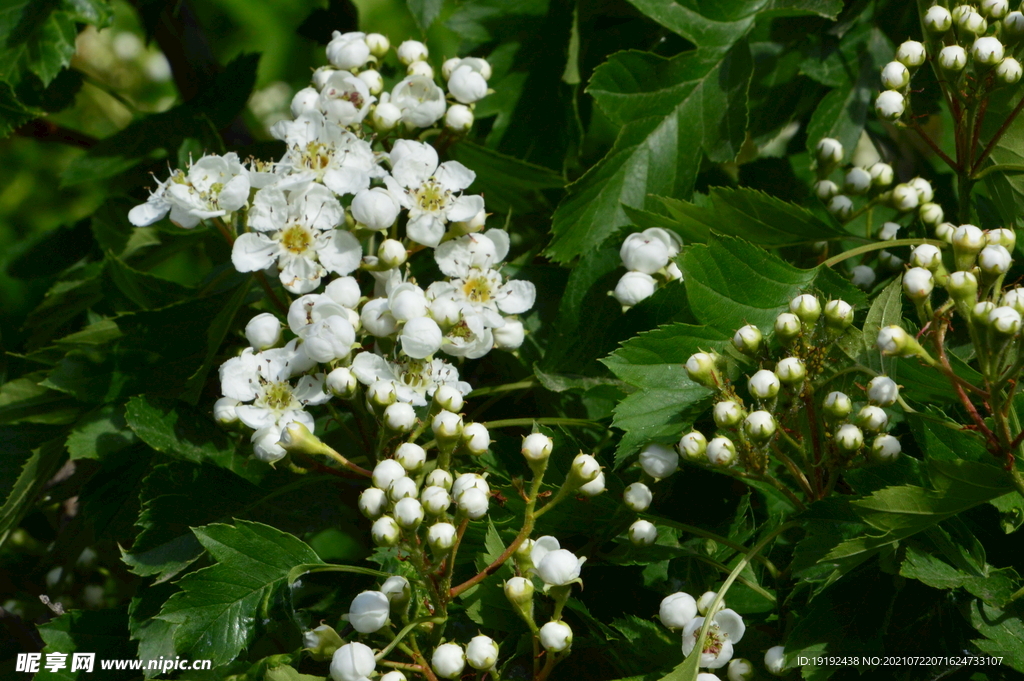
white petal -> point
(310, 391)
(412, 162)
(369, 368)
(517, 296)
(501, 243)
(731, 624)
(269, 210)
(341, 254)
(720, 659)
(238, 377)
(454, 176)
(149, 212)
(421, 337)
(319, 209)
(253, 252)
(255, 417)
(425, 229)
(346, 180)
(453, 258)
(235, 193)
(301, 275)
(465, 207)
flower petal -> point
(516, 296)
(301, 275)
(454, 176)
(149, 212)
(254, 252)
(346, 180)
(731, 624)
(465, 208)
(341, 254)
(425, 229)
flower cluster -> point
(648, 257)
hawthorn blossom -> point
(213, 186)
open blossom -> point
(321, 150)
(726, 629)
(345, 99)
(431, 191)
(213, 186)
(413, 381)
(295, 231)
(420, 101)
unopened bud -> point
(763, 385)
(1005, 320)
(322, 642)
(381, 393)
(473, 503)
(937, 19)
(759, 426)
(658, 462)
(775, 660)
(459, 118)
(476, 438)
(895, 76)
(225, 411)
(435, 500)
(825, 189)
(981, 312)
(263, 331)
(931, 213)
(849, 438)
(838, 315)
(1015, 299)
(872, 418)
(693, 445)
(994, 9)
(838, 405)
(944, 232)
(747, 339)
(537, 447)
(1006, 238)
(911, 54)
(700, 367)
(556, 637)
(408, 513)
(857, 180)
(885, 449)
(841, 206)
(863, 276)
(342, 383)
(643, 533)
(883, 391)
(447, 425)
(972, 22)
(449, 398)
(378, 44)
(392, 253)
(441, 537)
(411, 456)
(927, 256)
(637, 497)
(830, 151)
(890, 105)
(585, 468)
(727, 413)
(1009, 71)
(787, 327)
(439, 478)
(953, 58)
(881, 174)
(905, 197)
(594, 487)
(889, 231)
(791, 370)
(918, 284)
(806, 307)
(412, 51)
(373, 502)
(482, 652)
(385, 531)
(994, 260)
(721, 452)
(1013, 26)
(400, 417)
(705, 602)
(402, 488)
(987, 51)
(386, 472)
(963, 287)
(740, 669)
(519, 591)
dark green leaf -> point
(144, 289)
(424, 11)
(100, 433)
(102, 632)
(1003, 631)
(35, 474)
(507, 182)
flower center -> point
(317, 156)
(277, 397)
(431, 196)
(477, 289)
(354, 97)
(714, 641)
(461, 331)
(296, 238)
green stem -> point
(998, 168)
(507, 387)
(742, 580)
(509, 423)
(774, 571)
(880, 245)
(405, 632)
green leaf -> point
(36, 39)
(13, 114)
(35, 474)
(886, 309)
(508, 183)
(424, 12)
(1003, 631)
(102, 632)
(144, 289)
(216, 612)
(23, 400)
(995, 588)
(100, 433)
(671, 111)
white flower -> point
(386, 472)
(345, 99)
(430, 191)
(473, 503)
(637, 497)
(721, 451)
(889, 105)
(650, 250)
(987, 50)
(468, 481)
(412, 50)
(726, 629)
(1009, 70)
(321, 150)
(420, 100)
(677, 610)
(510, 335)
(881, 174)
(224, 410)
(448, 660)
(841, 206)
(263, 331)
(385, 531)
(519, 590)
(408, 513)
(412, 381)
(642, 533)
(369, 612)
(658, 461)
(402, 488)
(895, 76)
(352, 662)
(883, 391)
(863, 276)
(439, 478)
(482, 652)
(396, 588)
(466, 83)
(306, 99)
(918, 283)
(994, 260)
(373, 502)
(348, 50)
(775, 660)
(555, 636)
(447, 425)
(634, 287)
(825, 189)
(885, 448)
(559, 567)
(375, 208)
(435, 499)
(1005, 320)
(926, 256)
(763, 384)
(400, 417)
(212, 187)
(537, 446)
(344, 291)
(539, 548)
(759, 426)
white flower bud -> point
(962, 286)
(882, 174)
(439, 478)
(840, 206)
(369, 612)
(838, 405)
(849, 438)
(968, 240)
(862, 276)
(806, 307)
(374, 81)
(658, 462)
(385, 116)
(830, 151)
(556, 637)
(634, 287)
(981, 312)
(476, 438)
(787, 327)
(393, 675)
(519, 590)
(352, 662)
(700, 367)
(585, 467)
(642, 533)
(994, 9)
(894, 340)
(408, 513)
(448, 66)
(857, 180)
(482, 652)
(759, 426)
(225, 411)
(889, 231)
(537, 447)
(1013, 25)
(918, 284)
(775, 660)
(883, 391)
(441, 536)
(706, 600)
(396, 588)
(263, 331)
(931, 213)
(1001, 237)
(468, 481)
(677, 610)
(421, 69)
(448, 660)
(400, 417)
(763, 385)
(559, 567)
(446, 425)
(510, 335)
(895, 76)
(693, 445)
(411, 456)
(889, 261)
(373, 502)
(926, 256)
(386, 472)
(1005, 320)
(459, 118)
(994, 260)
(421, 337)
(594, 487)
(872, 418)
(305, 100)
(637, 497)
(435, 500)
(645, 252)
(791, 370)
(973, 23)
(411, 51)
(1009, 71)
(378, 44)
(392, 253)
(987, 50)
(348, 51)
(911, 54)
(377, 319)
(838, 314)
(1015, 299)
(385, 531)
(937, 19)
(885, 448)
(727, 413)
(402, 488)
(473, 503)
(953, 58)
(740, 669)
(342, 383)
(721, 452)
(747, 339)
(825, 189)
(381, 393)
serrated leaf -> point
(995, 588)
(425, 12)
(23, 400)
(13, 113)
(217, 610)
(508, 183)
(35, 473)
(142, 288)
(1003, 631)
(101, 632)
(100, 433)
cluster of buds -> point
(848, 424)
(648, 257)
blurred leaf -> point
(339, 15)
(100, 433)
(1003, 631)
(424, 12)
(23, 400)
(35, 474)
(102, 632)
(144, 289)
(507, 182)
(65, 301)
(13, 114)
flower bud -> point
(918, 284)
(392, 253)
(911, 54)
(927, 256)
(677, 610)
(953, 58)
(537, 447)
(381, 394)
(895, 76)
(448, 660)
(637, 497)
(994, 260)
(1015, 299)
(482, 652)
(408, 513)
(693, 445)
(830, 151)
(459, 118)
(386, 472)
(439, 478)
(305, 100)
(791, 370)
(994, 9)
(369, 612)
(775, 660)
(352, 662)
(441, 536)
(1001, 237)
(396, 588)
(373, 502)
(889, 261)
(435, 500)
(763, 385)
(883, 391)
(838, 405)
(838, 315)
(759, 426)
(412, 51)
(510, 335)
(889, 231)
(863, 276)
(881, 174)
(594, 487)
(342, 383)
(727, 413)
(1005, 320)
(556, 637)
(825, 189)
(931, 213)
(476, 438)
(840, 206)
(970, 22)
(263, 331)
(642, 533)
(402, 488)
(400, 417)
(963, 287)
(634, 287)
(706, 600)
(559, 567)
(872, 418)
(857, 180)
(585, 467)
(938, 19)
(449, 398)
(701, 369)
(468, 481)
(721, 452)
(885, 449)
(446, 425)
(905, 197)
(473, 503)
(747, 339)
(411, 456)
(225, 411)
(944, 232)
(374, 81)
(894, 340)
(981, 312)
(322, 642)
(987, 51)
(849, 438)
(385, 116)
(519, 591)
(1013, 26)
(806, 307)
(787, 327)
(347, 51)
(658, 462)
(1009, 71)
(385, 531)
(378, 44)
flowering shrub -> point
(458, 369)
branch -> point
(45, 131)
